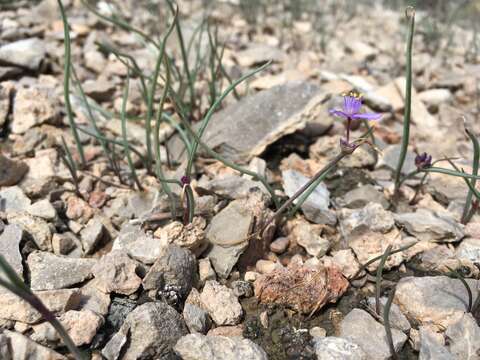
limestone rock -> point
(49, 271)
(221, 303)
(200, 347)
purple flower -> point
(185, 180)
(423, 161)
(352, 103)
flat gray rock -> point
(221, 303)
(10, 240)
(23, 348)
(464, 338)
(373, 217)
(438, 300)
(116, 272)
(37, 228)
(26, 53)
(176, 267)
(336, 348)
(200, 347)
(397, 319)
(362, 329)
(196, 318)
(428, 226)
(13, 199)
(243, 130)
(361, 196)
(315, 207)
(153, 330)
(49, 271)
(139, 245)
(431, 348)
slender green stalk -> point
(92, 119)
(378, 279)
(410, 13)
(114, 141)
(226, 162)
(156, 141)
(124, 133)
(457, 275)
(67, 159)
(66, 83)
(451, 172)
(189, 208)
(16, 286)
(476, 156)
(186, 68)
(305, 191)
(153, 86)
(206, 119)
(386, 324)
(376, 258)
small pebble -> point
(279, 245)
(317, 331)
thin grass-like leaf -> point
(153, 86)
(410, 13)
(124, 133)
(386, 324)
(66, 83)
(16, 286)
(378, 278)
(156, 141)
(467, 213)
(206, 119)
(455, 274)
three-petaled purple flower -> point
(423, 161)
(352, 103)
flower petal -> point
(367, 116)
(338, 113)
(351, 104)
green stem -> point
(476, 156)
(66, 84)
(378, 279)
(410, 13)
(386, 324)
(124, 133)
(205, 121)
(16, 286)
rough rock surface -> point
(304, 289)
(221, 303)
(200, 347)
(436, 300)
(360, 328)
(49, 271)
(336, 348)
(153, 330)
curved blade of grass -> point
(124, 133)
(206, 119)
(153, 86)
(378, 278)
(226, 162)
(386, 324)
(451, 172)
(455, 274)
(376, 258)
(16, 286)
(71, 166)
(66, 83)
(184, 57)
(114, 141)
(410, 13)
(475, 164)
(156, 141)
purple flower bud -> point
(423, 161)
(185, 180)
